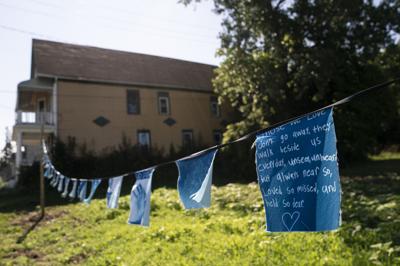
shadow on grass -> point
(27, 199)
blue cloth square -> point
(65, 192)
(113, 191)
(82, 189)
(60, 183)
(72, 194)
(94, 184)
(195, 178)
(298, 174)
(47, 172)
(140, 198)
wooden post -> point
(42, 194)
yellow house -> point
(98, 95)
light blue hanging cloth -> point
(52, 173)
(113, 191)
(60, 183)
(82, 189)
(195, 178)
(56, 177)
(140, 198)
(65, 192)
(47, 172)
(95, 183)
(72, 194)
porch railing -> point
(23, 117)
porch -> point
(34, 116)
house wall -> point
(81, 103)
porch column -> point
(18, 157)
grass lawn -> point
(231, 232)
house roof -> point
(36, 84)
(77, 62)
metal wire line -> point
(256, 132)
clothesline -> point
(297, 171)
(259, 131)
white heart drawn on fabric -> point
(289, 220)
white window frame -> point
(215, 106)
(188, 132)
(166, 99)
(146, 133)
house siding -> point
(81, 103)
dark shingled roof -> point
(77, 62)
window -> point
(187, 138)
(163, 103)
(215, 111)
(133, 102)
(217, 137)
(143, 137)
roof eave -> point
(126, 83)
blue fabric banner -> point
(140, 198)
(94, 184)
(72, 194)
(60, 183)
(47, 172)
(56, 177)
(52, 172)
(65, 192)
(298, 174)
(113, 191)
(82, 189)
(195, 178)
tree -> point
(284, 58)
(7, 154)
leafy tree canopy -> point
(283, 58)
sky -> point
(156, 27)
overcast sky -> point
(156, 27)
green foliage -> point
(6, 156)
(284, 58)
(231, 232)
(75, 160)
(29, 177)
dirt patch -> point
(29, 253)
(77, 258)
(25, 219)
